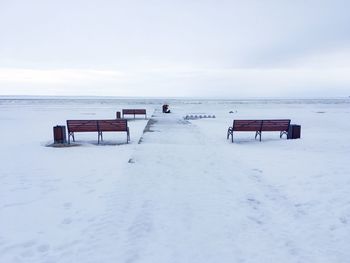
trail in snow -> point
(187, 200)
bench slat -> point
(139, 111)
(247, 125)
(113, 125)
(275, 125)
(82, 125)
(134, 111)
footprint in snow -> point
(344, 220)
(255, 220)
(43, 248)
(67, 205)
(67, 221)
(254, 203)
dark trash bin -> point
(118, 115)
(59, 134)
(294, 131)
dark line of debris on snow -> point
(147, 128)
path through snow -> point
(200, 204)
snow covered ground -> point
(184, 194)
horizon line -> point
(2, 97)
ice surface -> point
(185, 194)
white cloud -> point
(57, 76)
(178, 82)
(174, 48)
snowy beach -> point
(180, 192)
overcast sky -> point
(247, 48)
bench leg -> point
(98, 137)
(230, 132)
(283, 132)
(127, 136)
(256, 135)
(69, 135)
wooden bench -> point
(98, 126)
(134, 112)
(259, 126)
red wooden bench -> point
(259, 126)
(134, 112)
(98, 126)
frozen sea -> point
(179, 191)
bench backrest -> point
(134, 111)
(113, 125)
(247, 125)
(82, 125)
(275, 125)
(140, 111)
(97, 125)
(261, 125)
